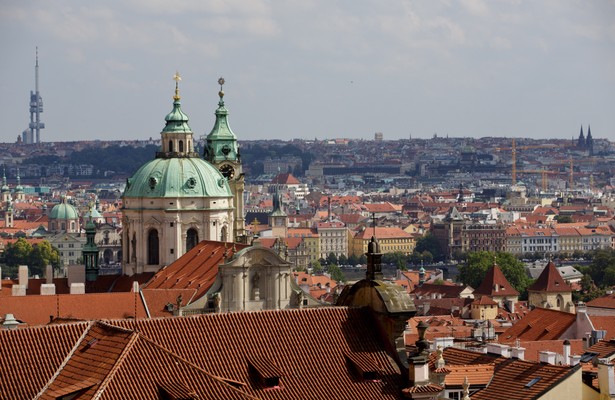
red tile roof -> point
(32, 356)
(511, 375)
(211, 355)
(197, 269)
(550, 280)
(477, 374)
(604, 323)
(495, 284)
(38, 310)
(606, 301)
(285, 179)
(532, 348)
(383, 233)
(539, 324)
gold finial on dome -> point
(176, 78)
(221, 83)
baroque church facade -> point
(178, 199)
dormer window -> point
(264, 372)
(364, 366)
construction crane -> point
(544, 173)
(513, 149)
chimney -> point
(606, 378)
(76, 274)
(23, 276)
(418, 370)
(574, 360)
(518, 353)
(510, 304)
(77, 288)
(566, 351)
(498, 349)
(48, 289)
(49, 274)
(547, 357)
(135, 286)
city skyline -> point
(305, 70)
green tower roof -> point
(221, 129)
(176, 120)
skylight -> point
(533, 382)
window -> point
(170, 145)
(192, 238)
(152, 247)
(181, 146)
(533, 382)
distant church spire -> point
(581, 141)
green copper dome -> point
(177, 177)
(64, 211)
(176, 120)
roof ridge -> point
(217, 378)
(66, 360)
(118, 362)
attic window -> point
(364, 366)
(266, 373)
(532, 382)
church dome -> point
(177, 177)
(64, 211)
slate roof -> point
(495, 284)
(539, 324)
(550, 281)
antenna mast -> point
(36, 108)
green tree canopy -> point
(331, 258)
(430, 243)
(602, 267)
(17, 253)
(336, 273)
(473, 271)
(316, 267)
(43, 254)
(396, 258)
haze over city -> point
(312, 69)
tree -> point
(342, 259)
(336, 273)
(332, 258)
(473, 271)
(363, 259)
(563, 219)
(430, 243)
(427, 257)
(43, 254)
(602, 267)
(353, 260)
(316, 267)
(396, 258)
(17, 253)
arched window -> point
(171, 146)
(63, 226)
(192, 238)
(152, 247)
(72, 226)
(181, 146)
(223, 234)
(107, 256)
(560, 300)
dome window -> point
(191, 183)
(152, 182)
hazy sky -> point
(312, 68)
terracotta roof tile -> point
(539, 324)
(21, 350)
(197, 269)
(495, 284)
(550, 280)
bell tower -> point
(222, 151)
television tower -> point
(36, 108)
